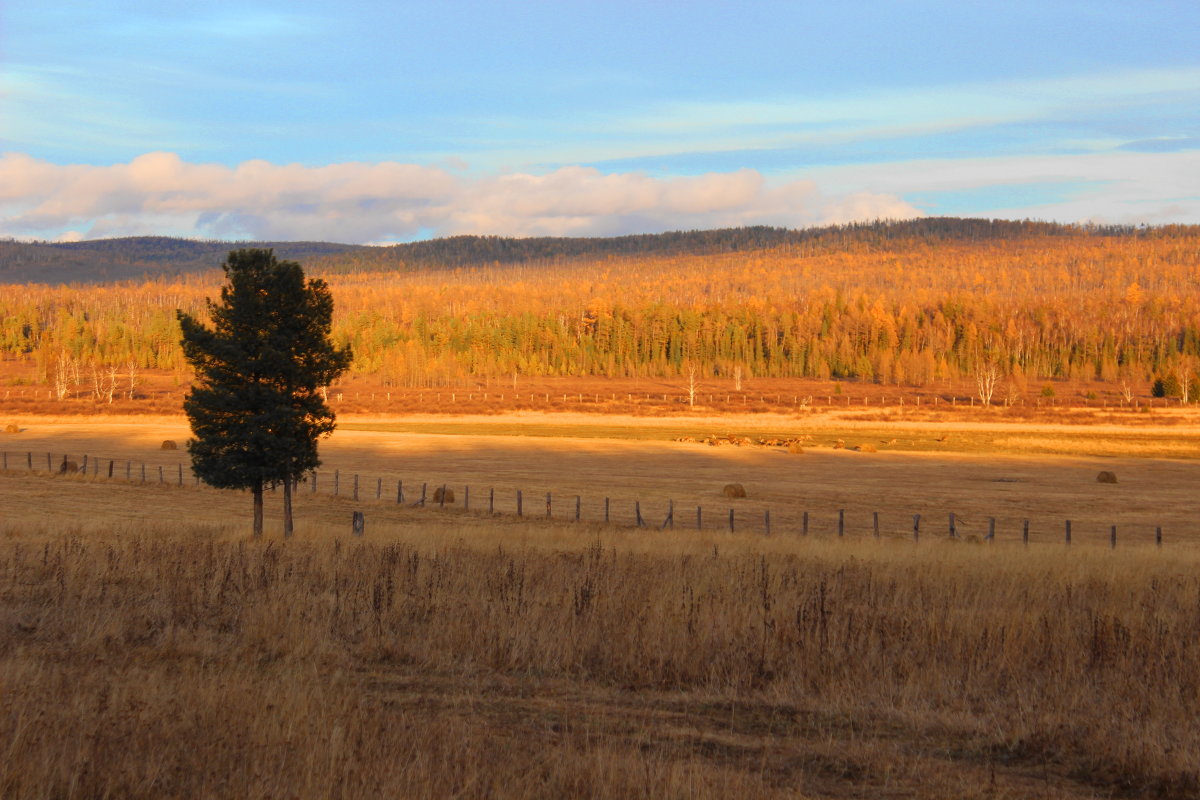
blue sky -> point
(388, 121)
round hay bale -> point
(169, 445)
(839, 445)
(734, 490)
(866, 448)
(1106, 477)
(443, 495)
(68, 467)
(12, 427)
(794, 447)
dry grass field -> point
(980, 469)
(149, 649)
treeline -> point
(465, 251)
(135, 258)
(1044, 303)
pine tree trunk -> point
(287, 506)
(257, 490)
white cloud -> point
(1113, 187)
(159, 193)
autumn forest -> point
(896, 303)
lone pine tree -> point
(255, 407)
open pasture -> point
(449, 655)
(574, 455)
(148, 648)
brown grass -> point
(1046, 489)
(464, 654)
(482, 658)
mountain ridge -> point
(135, 257)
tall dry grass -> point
(173, 663)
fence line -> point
(444, 497)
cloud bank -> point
(160, 194)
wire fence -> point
(607, 510)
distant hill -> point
(105, 260)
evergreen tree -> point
(255, 406)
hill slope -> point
(106, 260)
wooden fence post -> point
(875, 523)
(378, 488)
(399, 492)
(1025, 534)
(312, 483)
(916, 527)
(337, 480)
(491, 501)
(731, 520)
(841, 522)
(442, 497)
(1068, 532)
(548, 514)
(519, 509)
(767, 522)
(991, 534)
(128, 470)
(424, 489)
(180, 474)
(670, 518)
(953, 527)
(83, 466)
(29, 458)
(606, 511)
(111, 464)
(637, 511)
(1158, 536)
(355, 495)
(466, 498)
(161, 479)
(699, 518)
(143, 473)
(49, 467)
(578, 503)
(1113, 538)
(358, 523)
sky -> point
(378, 122)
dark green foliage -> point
(255, 407)
(1166, 386)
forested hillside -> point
(904, 303)
(135, 258)
(132, 258)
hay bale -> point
(68, 467)
(794, 447)
(734, 490)
(12, 427)
(839, 445)
(866, 448)
(169, 445)
(443, 495)
(1106, 477)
